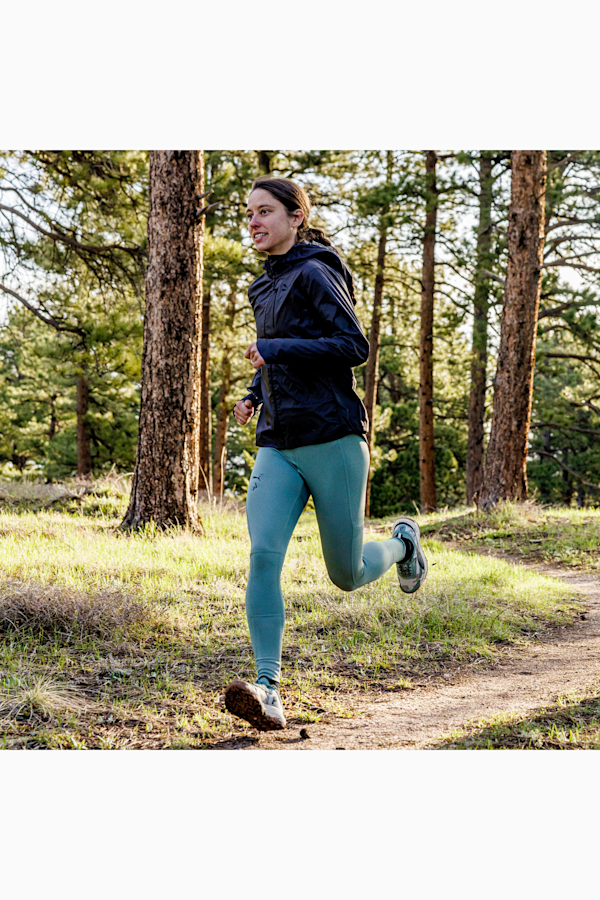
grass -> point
(571, 723)
(559, 535)
(131, 638)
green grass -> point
(571, 723)
(128, 640)
(565, 536)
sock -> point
(410, 547)
(268, 682)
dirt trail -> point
(569, 660)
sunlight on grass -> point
(569, 537)
(42, 699)
(572, 722)
(152, 625)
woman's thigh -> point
(336, 475)
(277, 494)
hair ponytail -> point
(314, 234)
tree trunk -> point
(264, 161)
(53, 418)
(18, 459)
(84, 455)
(426, 444)
(223, 413)
(372, 367)
(205, 482)
(165, 480)
(567, 485)
(221, 431)
(505, 476)
(480, 330)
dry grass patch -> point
(42, 699)
(59, 612)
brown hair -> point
(293, 197)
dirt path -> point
(569, 660)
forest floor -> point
(542, 696)
(111, 640)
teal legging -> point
(282, 481)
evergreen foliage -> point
(73, 244)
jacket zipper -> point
(270, 380)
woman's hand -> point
(243, 411)
(254, 356)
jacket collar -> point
(300, 251)
(304, 250)
(274, 264)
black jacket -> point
(310, 338)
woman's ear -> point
(297, 218)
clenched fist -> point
(254, 356)
(243, 411)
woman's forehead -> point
(260, 197)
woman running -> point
(310, 433)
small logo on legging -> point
(256, 478)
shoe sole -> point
(420, 555)
(245, 704)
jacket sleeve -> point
(344, 341)
(255, 390)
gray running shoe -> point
(257, 704)
(412, 571)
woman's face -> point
(271, 227)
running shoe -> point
(257, 704)
(412, 571)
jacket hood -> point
(305, 250)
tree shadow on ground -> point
(568, 724)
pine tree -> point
(505, 475)
(426, 433)
(167, 470)
(372, 366)
(484, 265)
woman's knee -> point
(265, 563)
(344, 580)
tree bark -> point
(53, 418)
(567, 486)
(474, 471)
(205, 482)
(223, 411)
(84, 454)
(505, 476)
(264, 161)
(165, 480)
(220, 457)
(428, 491)
(372, 367)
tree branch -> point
(569, 265)
(580, 357)
(57, 235)
(502, 281)
(590, 484)
(563, 427)
(562, 307)
(564, 162)
(572, 221)
(564, 260)
(46, 318)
